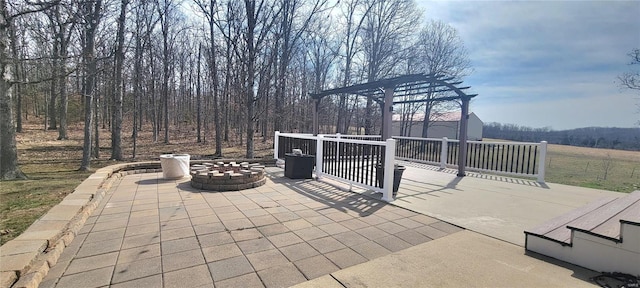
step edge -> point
(527, 234)
(616, 240)
(596, 205)
(594, 214)
(622, 215)
(629, 222)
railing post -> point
(542, 162)
(338, 137)
(319, 144)
(389, 161)
(276, 142)
(444, 152)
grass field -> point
(51, 166)
(586, 167)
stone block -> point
(49, 225)
(20, 263)
(16, 247)
(196, 185)
(62, 212)
(31, 280)
(67, 238)
(7, 279)
(53, 254)
(51, 236)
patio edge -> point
(26, 260)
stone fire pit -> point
(227, 176)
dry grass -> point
(586, 167)
(51, 166)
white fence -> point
(354, 161)
(503, 158)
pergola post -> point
(387, 112)
(464, 117)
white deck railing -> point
(353, 161)
(503, 158)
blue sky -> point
(547, 63)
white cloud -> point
(547, 56)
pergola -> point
(383, 92)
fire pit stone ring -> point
(227, 176)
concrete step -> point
(603, 236)
(605, 221)
(611, 228)
(556, 228)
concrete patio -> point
(150, 232)
(496, 206)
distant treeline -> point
(595, 137)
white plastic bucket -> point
(174, 166)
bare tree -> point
(9, 169)
(631, 79)
(260, 17)
(607, 164)
(209, 10)
(322, 50)
(352, 28)
(116, 127)
(199, 98)
(388, 25)
(8, 153)
(439, 50)
(91, 19)
(62, 18)
(290, 32)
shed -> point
(442, 125)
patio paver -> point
(162, 233)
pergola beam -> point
(427, 100)
(407, 85)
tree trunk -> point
(9, 169)
(116, 130)
(214, 76)
(96, 124)
(51, 109)
(198, 98)
(62, 86)
(17, 66)
(92, 12)
(250, 62)
(165, 70)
